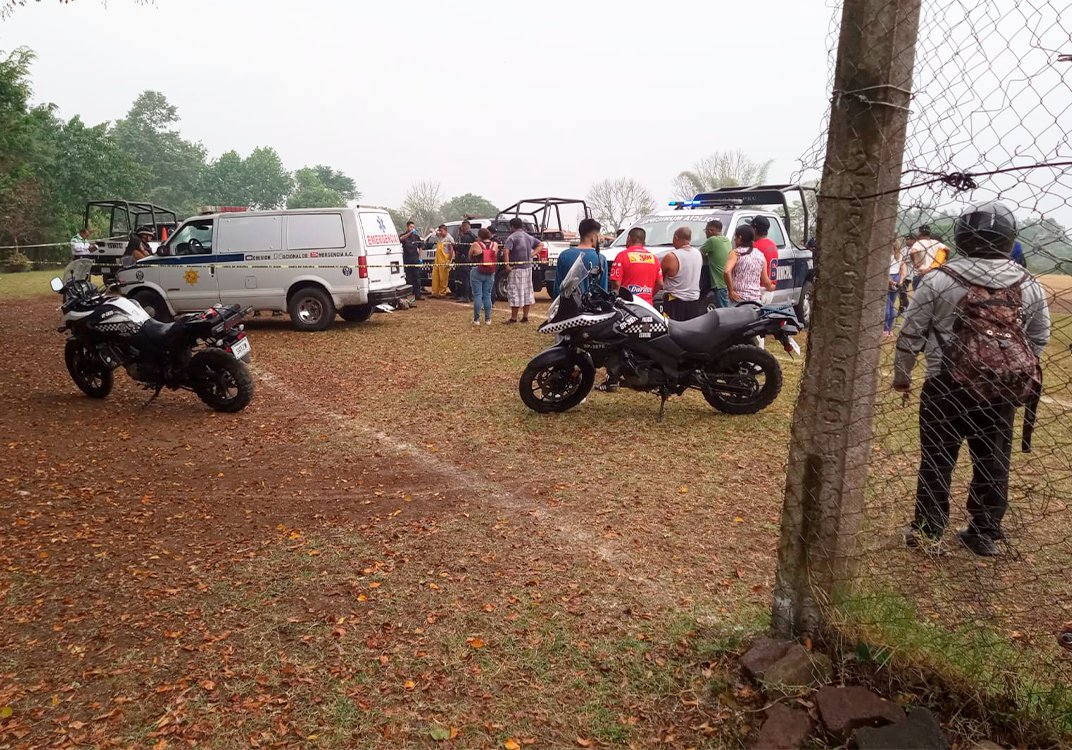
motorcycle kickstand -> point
(152, 398)
(664, 394)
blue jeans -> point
(483, 285)
(891, 303)
(722, 297)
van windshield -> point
(193, 238)
(660, 229)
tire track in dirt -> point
(494, 495)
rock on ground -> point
(785, 729)
(920, 731)
(844, 709)
(763, 653)
(799, 668)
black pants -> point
(902, 297)
(413, 278)
(679, 309)
(947, 417)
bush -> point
(17, 262)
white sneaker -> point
(486, 322)
(476, 323)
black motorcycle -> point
(106, 332)
(716, 353)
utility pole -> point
(831, 434)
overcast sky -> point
(503, 99)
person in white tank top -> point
(681, 277)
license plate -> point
(240, 348)
(395, 268)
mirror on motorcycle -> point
(56, 284)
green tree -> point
(172, 167)
(721, 169)
(225, 182)
(85, 164)
(337, 181)
(468, 206)
(310, 192)
(22, 150)
(269, 183)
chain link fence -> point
(985, 116)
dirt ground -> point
(366, 556)
(386, 549)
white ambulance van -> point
(310, 263)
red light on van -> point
(362, 267)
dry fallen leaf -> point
(475, 642)
(5, 712)
(409, 684)
(583, 742)
(512, 744)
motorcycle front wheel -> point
(556, 386)
(220, 380)
(744, 380)
(93, 377)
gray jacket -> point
(933, 311)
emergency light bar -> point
(718, 202)
(222, 209)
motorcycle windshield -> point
(77, 270)
(571, 285)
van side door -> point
(248, 270)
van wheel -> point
(153, 304)
(311, 309)
(356, 313)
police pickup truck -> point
(794, 270)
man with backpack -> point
(982, 322)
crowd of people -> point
(979, 318)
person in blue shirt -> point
(1017, 254)
(588, 247)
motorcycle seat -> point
(156, 334)
(704, 333)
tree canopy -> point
(468, 206)
(50, 168)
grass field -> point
(388, 546)
(26, 284)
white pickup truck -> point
(793, 272)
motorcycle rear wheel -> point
(556, 387)
(92, 376)
(221, 381)
(745, 380)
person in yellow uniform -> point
(444, 256)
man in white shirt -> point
(80, 244)
(927, 254)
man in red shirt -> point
(761, 225)
(636, 269)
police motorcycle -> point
(203, 352)
(716, 353)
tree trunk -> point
(831, 435)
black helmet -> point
(985, 230)
(761, 224)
